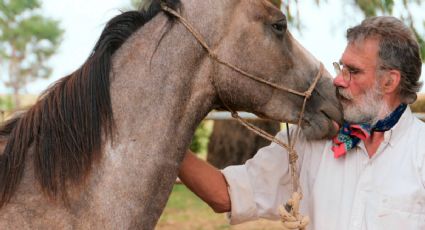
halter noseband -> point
(307, 94)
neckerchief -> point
(350, 135)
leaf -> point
(27, 41)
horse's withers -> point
(162, 85)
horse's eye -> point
(279, 27)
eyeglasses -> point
(346, 74)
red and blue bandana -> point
(350, 134)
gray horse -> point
(101, 148)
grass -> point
(6, 104)
(185, 211)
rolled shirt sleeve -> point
(259, 186)
(386, 191)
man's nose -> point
(340, 82)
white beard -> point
(368, 107)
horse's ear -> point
(152, 7)
(173, 4)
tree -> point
(277, 3)
(138, 4)
(27, 41)
(5, 103)
(232, 144)
(201, 138)
(368, 8)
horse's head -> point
(256, 39)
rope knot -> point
(296, 218)
(290, 216)
(234, 114)
(307, 94)
(213, 55)
(293, 157)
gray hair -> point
(398, 49)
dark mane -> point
(66, 126)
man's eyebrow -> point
(349, 66)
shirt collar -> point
(397, 131)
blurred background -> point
(42, 41)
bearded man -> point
(370, 176)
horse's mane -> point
(66, 126)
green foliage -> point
(15, 7)
(185, 211)
(184, 199)
(6, 104)
(27, 41)
(376, 7)
(140, 4)
(135, 4)
(277, 3)
(292, 12)
(385, 7)
(368, 8)
(183, 206)
(201, 138)
(421, 41)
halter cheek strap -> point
(292, 206)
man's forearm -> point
(206, 181)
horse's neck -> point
(161, 86)
(160, 93)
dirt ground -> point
(218, 224)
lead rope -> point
(290, 216)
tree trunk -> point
(16, 99)
(233, 144)
(14, 78)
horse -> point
(101, 148)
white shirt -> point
(354, 191)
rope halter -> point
(290, 215)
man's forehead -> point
(361, 52)
(365, 42)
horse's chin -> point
(319, 128)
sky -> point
(322, 33)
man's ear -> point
(391, 81)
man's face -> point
(361, 96)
